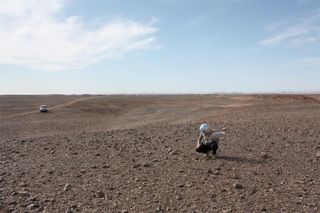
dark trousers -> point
(213, 146)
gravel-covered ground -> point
(136, 154)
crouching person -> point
(208, 140)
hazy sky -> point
(159, 46)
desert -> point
(136, 153)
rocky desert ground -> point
(126, 153)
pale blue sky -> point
(159, 46)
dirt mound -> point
(291, 98)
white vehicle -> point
(43, 108)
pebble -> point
(33, 206)
(264, 155)
(318, 155)
(146, 164)
(67, 187)
(100, 194)
(216, 172)
(34, 198)
(22, 184)
(106, 166)
(25, 193)
(174, 152)
(237, 186)
(136, 166)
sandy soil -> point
(137, 154)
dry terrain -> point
(95, 153)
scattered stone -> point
(146, 164)
(210, 171)
(124, 211)
(100, 194)
(178, 197)
(181, 185)
(237, 186)
(23, 193)
(34, 198)
(264, 155)
(106, 166)
(33, 206)
(136, 166)
(227, 211)
(253, 191)
(22, 184)
(318, 154)
(174, 152)
(158, 209)
(216, 172)
(111, 188)
(67, 187)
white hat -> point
(204, 127)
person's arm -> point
(199, 139)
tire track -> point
(59, 106)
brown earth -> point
(137, 154)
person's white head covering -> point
(204, 127)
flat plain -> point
(136, 153)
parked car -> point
(43, 108)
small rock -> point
(100, 194)
(264, 155)
(227, 211)
(33, 206)
(216, 172)
(111, 188)
(237, 186)
(253, 191)
(318, 154)
(146, 164)
(24, 193)
(124, 211)
(158, 209)
(34, 198)
(178, 197)
(22, 184)
(67, 187)
(136, 166)
(174, 152)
